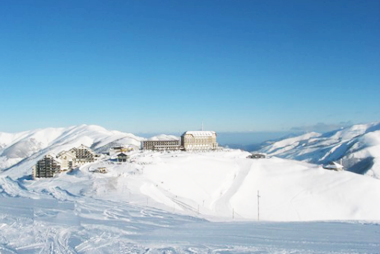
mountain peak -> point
(357, 146)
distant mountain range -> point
(357, 147)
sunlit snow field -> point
(181, 202)
(99, 226)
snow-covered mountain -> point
(27, 147)
(357, 146)
(215, 184)
(159, 201)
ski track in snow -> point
(99, 226)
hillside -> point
(218, 185)
(163, 202)
(27, 147)
(215, 184)
(357, 146)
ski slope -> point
(88, 225)
(217, 185)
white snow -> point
(334, 166)
(184, 202)
(357, 146)
(290, 143)
(201, 133)
(223, 186)
(163, 137)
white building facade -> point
(67, 159)
(83, 155)
(199, 140)
(161, 145)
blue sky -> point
(166, 66)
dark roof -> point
(122, 155)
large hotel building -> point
(199, 140)
(190, 141)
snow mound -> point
(11, 188)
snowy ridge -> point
(357, 146)
(29, 146)
(290, 143)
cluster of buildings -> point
(51, 164)
(190, 141)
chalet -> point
(122, 157)
(119, 149)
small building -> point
(199, 140)
(102, 170)
(257, 156)
(161, 145)
(122, 157)
(333, 166)
(48, 166)
(119, 149)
